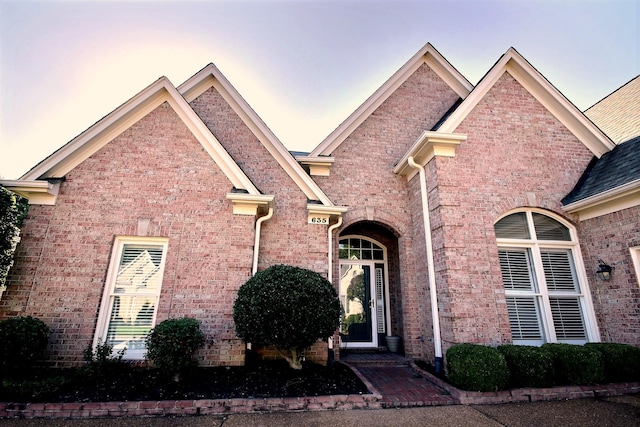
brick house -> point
(166, 206)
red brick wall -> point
(616, 302)
(362, 178)
(286, 238)
(155, 170)
(517, 154)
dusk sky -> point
(303, 66)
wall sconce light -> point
(604, 270)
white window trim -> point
(105, 306)
(635, 257)
(584, 297)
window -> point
(545, 289)
(132, 291)
(635, 257)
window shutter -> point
(524, 318)
(567, 319)
(380, 300)
(558, 271)
(549, 229)
(513, 227)
(516, 271)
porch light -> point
(604, 270)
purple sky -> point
(304, 66)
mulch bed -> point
(123, 383)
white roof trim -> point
(429, 145)
(427, 55)
(105, 130)
(37, 192)
(567, 113)
(211, 76)
(613, 200)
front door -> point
(358, 297)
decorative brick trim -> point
(188, 407)
(530, 394)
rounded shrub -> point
(172, 343)
(621, 361)
(529, 366)
(287, 307)
(477, 368)
(576, 364)
(22, 341)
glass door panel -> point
(358, 328)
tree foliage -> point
(287, 307)
(23, 340)
(172, 343)
(13, 210)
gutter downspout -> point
(330, 272)
(256, 244)
(330, 239)
(437, 342)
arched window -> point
(545, 287)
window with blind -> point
(128, 310)
(546, 301)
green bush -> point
(621, 361)
(13, 210)
(529, 366)
(172, 343)
(477, 368)
(576, 364)
(286, 307)
(101, 360)
(22, 342)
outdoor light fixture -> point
(604, 270)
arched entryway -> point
(368, 286)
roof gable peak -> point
(427, 55)
(535, 83)
(211, 76)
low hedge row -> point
(482, 368)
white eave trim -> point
(318, 166)
(427, 55)
(250, 204)
(316, 209)
(211, 76)
(567, 113)
(619, 198)
(429, 145)
(37, 192)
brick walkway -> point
(396, 381)
(401, 386)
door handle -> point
(372, 303)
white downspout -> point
(330, 272)
(430, 264)
(256, 244)
(330, 239)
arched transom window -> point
(545, 286)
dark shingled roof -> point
(615, 168)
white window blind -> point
(380, 300)
(516, 271)
(524, 318)
(133, 293)
(567, 319)
(558, 271)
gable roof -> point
(210, 76)
(101, 133)
(536, 84)
(618, 114)
(610, 183)
(427, 55)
